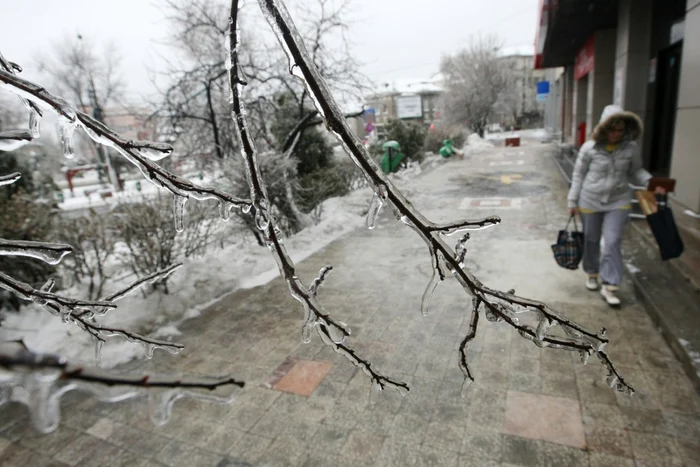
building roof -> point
(524, 50)
(411, 86)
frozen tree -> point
(549, 328)
(282, 117)
(90, 79)
(475, 79)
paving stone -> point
(549, 418)
(599, 459)
(482, 444)
(49, 445)
(363, 446)
(521, 451)
(615, 442)
(444, 436)
(652, 449)
(81, 447)
(557, 454)
(430, 456)
(395, 453)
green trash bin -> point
(392, 157)
(447, 150)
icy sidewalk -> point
(303, 405)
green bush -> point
(410, 136)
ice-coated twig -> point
(40, 380)
(51, 253)
(463, 364)
(466, 224)
(376, 378)
(35, 112)
(154, 277)
(10, 179)
(498, 303)
(57, 304)
(331, 332)
(318, 281)
(99, 332)
(142, 154)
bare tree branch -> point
(139, 153)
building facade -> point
(643, 55)
(413, 100)
(520, 104)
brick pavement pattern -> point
(528, 406)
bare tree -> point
(475, 79)
(281, 112)
(91, 80)
(78, 70)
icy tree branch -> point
(40, 380)
(499, 304)
(142, 154)
(10, 179)
(331, 332)
(51, 253)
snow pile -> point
(476, 144)
(196, 285)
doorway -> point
(668, 77)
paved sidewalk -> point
(528, 406)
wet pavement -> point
(305, 406)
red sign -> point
(585, 59)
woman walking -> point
(601, 194)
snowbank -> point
(196, 285)
(476, 143)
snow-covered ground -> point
(196, 285)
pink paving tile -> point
(304, 377)
(536, 416)
(280, 372)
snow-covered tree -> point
(475, 79)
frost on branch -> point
(38, 381)
(497, 305)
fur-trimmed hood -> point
(614, 113)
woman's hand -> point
(573, 211)
(660, 190)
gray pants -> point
(610, 225)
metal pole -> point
(99, 116)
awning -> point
(566, 24)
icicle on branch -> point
(51, 253)
(10, 179)
(331, 332)
(40, 380)
(500, 304)
(142, 154)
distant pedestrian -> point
(601, 194)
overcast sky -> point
(395, 39)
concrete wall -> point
(685, 162)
